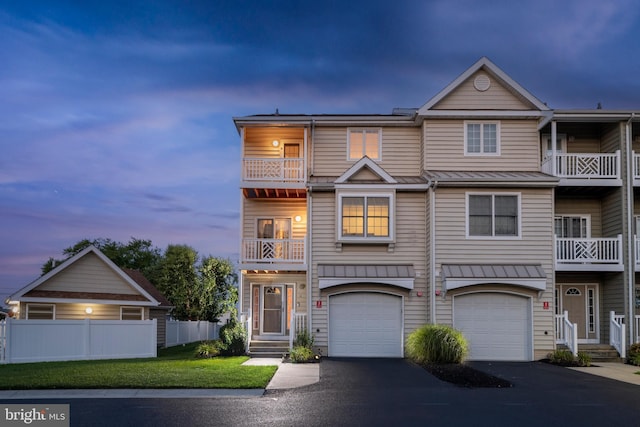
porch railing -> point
(617, 333)
(298, 324)
(567, 332)
(601, 250)
(273, 170)
(584, 165)
(273, 251)
(245, 320)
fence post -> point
(7, 340)
(154, 337)
(87, 338)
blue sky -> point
(116, 117)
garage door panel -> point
(365, 324)
(497, 326)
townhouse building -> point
(483, 209)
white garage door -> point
(497, 325)
(365, 324)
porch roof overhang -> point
(530, 276)
(400, 275)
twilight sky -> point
(116, 116)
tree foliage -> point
(199, 288)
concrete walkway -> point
(614, 371)
(289, 375)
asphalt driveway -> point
(398, 392)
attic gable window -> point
(41, 311)
(364, 142)
(482, 138)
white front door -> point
(581, 302)
(273, 304)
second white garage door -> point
(496, 325)
(365, 324)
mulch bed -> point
(465, 376)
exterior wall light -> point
(275, 143)
(297, 218)
(88, 310)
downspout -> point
(432, 224)
(630, 238)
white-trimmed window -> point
(41, 311)
(568, 226)
(481, 138)
(493, 215)
(364, 142)
(131, 313)
(366, 217)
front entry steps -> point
(598, 352)
(601, 353)
(276, 349)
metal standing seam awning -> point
(401, 275)
(531, 276)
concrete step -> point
(268, 348)
(600, 352)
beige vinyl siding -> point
(612, 209)
(88, 274)
(467, 97)
(612, 298)
(445, 150)
(534, 246)
(275, 279)
(258, 141)
(577, 207)
(274, 208)
(410, 247)
(400, 151)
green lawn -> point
(174, 367)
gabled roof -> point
(488, 66)
(369, 164)
(144, 298)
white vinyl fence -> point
(186, 331)
(23, 341)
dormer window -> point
(364, 142)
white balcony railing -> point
(637, 252)
(584, 165)
(567, 332)
(594, 251)
(273, 170)
(636, 166)
(617, 333)
(273, 251)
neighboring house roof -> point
(136, 293)
(141, 280)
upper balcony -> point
(585, 169)
(273, 254)
(273, 162)
(589, 254)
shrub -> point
(583, 359)
(233, 338)
(561, 357)
(436, 344)
(304, 339)
(208, 349)
(633, 355)
(300, 354)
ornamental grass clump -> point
(436, 344)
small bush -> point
(436, 344)
(583, 359)
(234, 339)
(300, 354)
(561, 357)
(633, 355)
(304, 339)
(208, 349)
